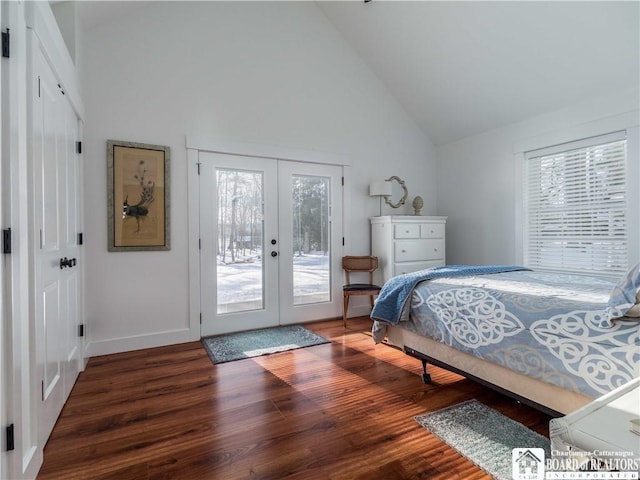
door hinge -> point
(198, 164)
(42, 389)
(39, 87)
(342, 178)
(200, 318)
(6, 44)
(78, 147)
(199, 244)
(11, 441)
(6, 240)
(81, 330)
(81, 238)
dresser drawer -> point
(435, 230)
(407, 243)
(409, 267)
(407, 230)
(418, 250)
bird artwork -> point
(141, 209)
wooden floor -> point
(342, 410)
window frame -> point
(626, 123)
(547, 246)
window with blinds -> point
(575, 203)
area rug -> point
(483, 435)
(254, 343)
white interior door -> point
(3, 401)
(57, 281)
(271, 242)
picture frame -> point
(138, 196)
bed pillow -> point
(624, 300)
(635, 310)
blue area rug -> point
(254, 343)
(483, 435)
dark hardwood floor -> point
(342, 410)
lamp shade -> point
(379, 188)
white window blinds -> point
(575, 199)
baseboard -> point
(137, 342)
(359, 311)
(95, 348)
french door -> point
(271, 242)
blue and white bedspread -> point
(396, 292)
(552, 327)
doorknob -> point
(274, 254)
(66, 262)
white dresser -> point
(407, 243)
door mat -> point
(254, 343)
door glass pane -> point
(311, 249)
(240, 267)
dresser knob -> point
(404, 251)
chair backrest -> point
(359, 263)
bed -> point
(553, 341)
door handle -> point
(66, 262)
(274, 254)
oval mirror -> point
(399, 190)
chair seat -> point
(358, 264)
(360, 287)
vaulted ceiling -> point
(461, 68)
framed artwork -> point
(137, 196)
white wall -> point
(67, 20)
(264, 72)
(477, 176)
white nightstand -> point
(602, 428)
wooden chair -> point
(360, 264)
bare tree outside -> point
(240, 239)
(311, 233)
